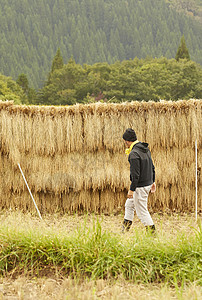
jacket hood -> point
(142, 147)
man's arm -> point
(153, 188)
(153, 168)
(134, 175)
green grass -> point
(96, 252)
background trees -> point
(89, 32)
(182, 51)
(144, 79)
(137, 79)
(10, 90)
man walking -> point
(142, 176)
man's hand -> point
(153, 188)
(130, 194)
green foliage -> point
(57, 62)
(30, 93)
(65, 85)
(97, 254)
(145, 79)
(23, 82)
(192, 8)
(56, 65)
(10, 90)
(90, 32)
(182, 51)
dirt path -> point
(52, 289)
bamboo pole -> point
(196, 180)
(29, 191)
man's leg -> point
(140, 201)
(129, 214)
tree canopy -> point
(182, 51)
(137, 79)
(10, 90)
(57, 62)
(89, 31)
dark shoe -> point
(126, 225)
(151, 229)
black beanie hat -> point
(129, 135)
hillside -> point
(192, 8)
(89, 31)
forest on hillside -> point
(137, 79)
(192, 8)
(89, 31)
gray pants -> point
(139, 204)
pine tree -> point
(182, 51)
(57, 62)
(23, 82)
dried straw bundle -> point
(40, 134)
(73, 157)
(170, 124)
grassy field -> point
(87, 257)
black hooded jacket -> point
(142, 170)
